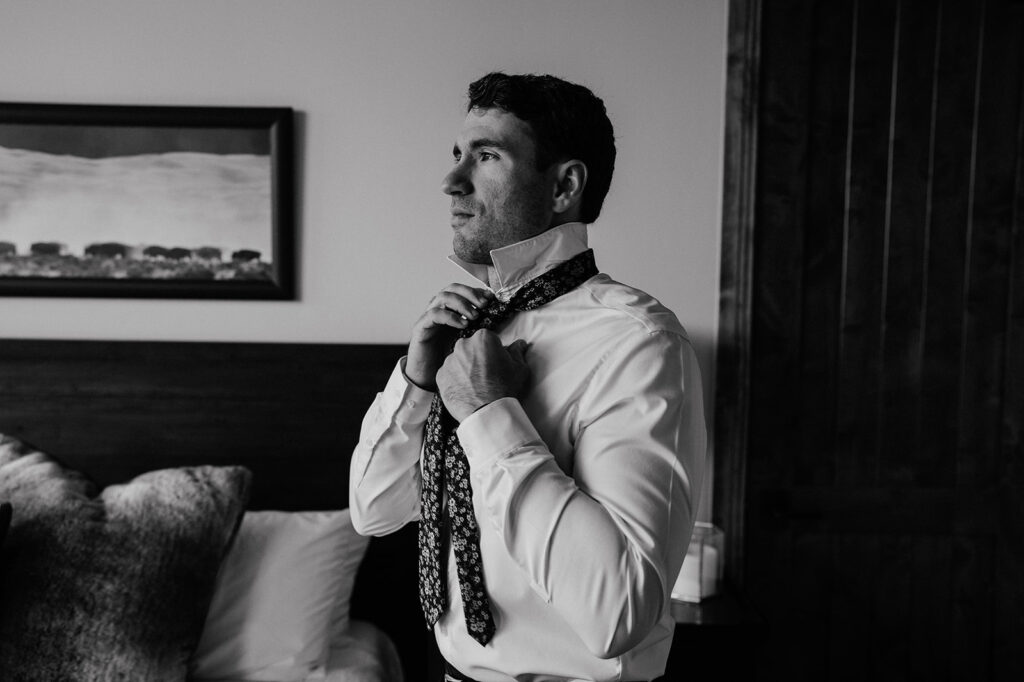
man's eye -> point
(487, 156)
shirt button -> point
(410, 403)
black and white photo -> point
(144, 201)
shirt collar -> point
(516, 264)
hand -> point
(481, 370)
(436, 330)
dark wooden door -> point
(884, 502)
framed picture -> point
(146, 202)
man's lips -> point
(460, 217)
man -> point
(547, 430)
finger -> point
(444, 317)
(479, 297)
(458, 303)
(517, 350)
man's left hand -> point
(479, 371)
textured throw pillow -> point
(114, 586)
(5, 521)
(286, 581)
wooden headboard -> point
(288, 412)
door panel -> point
(884, 522)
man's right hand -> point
(435, 332)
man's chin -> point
(469, 253)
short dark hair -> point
(568, 122)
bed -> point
(276, 423)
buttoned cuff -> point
(495, 430)
(403, 401)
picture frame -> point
(147, 201)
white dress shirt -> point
(585, 489)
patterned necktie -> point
(445, 468)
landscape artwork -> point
(187, 203)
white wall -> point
(380, 86)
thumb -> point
(517, 349)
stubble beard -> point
(520, 217)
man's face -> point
(498, 195)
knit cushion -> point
(113, 586)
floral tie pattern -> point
(446, 472)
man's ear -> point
(570, 181)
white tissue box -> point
(701, 573)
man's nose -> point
(457, 181)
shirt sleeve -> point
(604, 545)
(384, 475)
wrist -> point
(417, 377)
(461, 409)
(497, 431)
(462, 403)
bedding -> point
(282, 592)
(112, 584)
(361, 652)
(286, 412)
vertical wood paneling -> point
(849, 654)
(984, 335)
(860, 358)
(830, 93)
(809, 565)
(885, 498)
(930, 634)
(1008, 630)
(954, 122)
(1008, 621)
(988, 269)
(775, 317)
(780, 219)
(971, 594)
(1009, 627)
(890, 602)
(909, 193)
(732, 359)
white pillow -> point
(284, 586)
